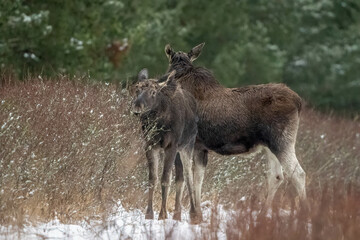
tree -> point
(310, 45)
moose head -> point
(148, 93)
(181, 56)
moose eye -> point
(153, 93)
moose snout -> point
(137, 107)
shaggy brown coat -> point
(168, 117)
(234, 120)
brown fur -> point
(235, 120)
(168, 117)
(242, 117)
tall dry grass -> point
(335, 214)
(69, 149)
(66, 147)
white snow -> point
(123, 224)
(131, 224)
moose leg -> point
(200, 162)
(274, 177)
(153, 160)
(179, 181)
(186, 158)
(294, 171)
(170, 154)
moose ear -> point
(170, 81)
(168, 51)
(195, 52)
(143, 74)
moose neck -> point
(199, 81)
(181, 68)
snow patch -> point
(123, 224)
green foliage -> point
(311, 45)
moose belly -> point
(225, 140)
(231, 148)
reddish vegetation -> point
(70, 149)
(65, 147)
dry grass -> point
(335, 214)
(65, 149)
(68, 148)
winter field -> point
(72, 166)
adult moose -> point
(235, 120)
(168, 117)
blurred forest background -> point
(311, 45)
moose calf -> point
(169, 124)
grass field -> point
(69, 150)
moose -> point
(169, 123)
(238, 120)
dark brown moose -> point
(168, 117)
(236, 120)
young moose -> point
(168, 117)
(235, 120)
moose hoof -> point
(149, 215)
(177, 216)
(162, 215)
(196, 218)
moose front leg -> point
(179, 181)
(153, 160)
(169, 160)
(186, 158)
(200, 161)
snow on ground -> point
(122, 225)
(129, 224)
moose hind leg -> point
(274, 177)
(295, 173)
(153, 160)
(179, 182)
